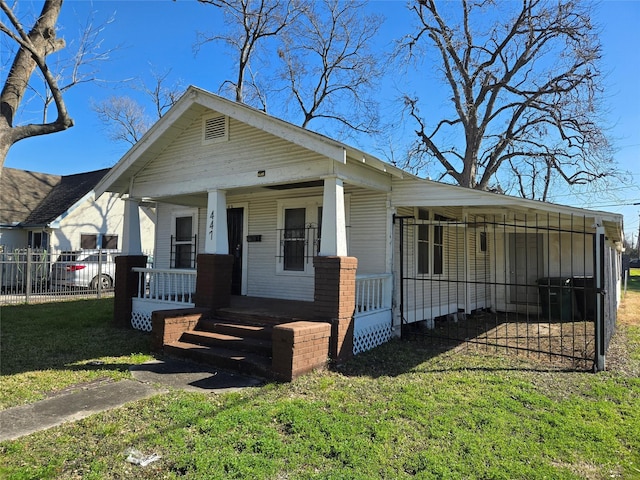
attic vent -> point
(215, 129)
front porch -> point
(350, 314)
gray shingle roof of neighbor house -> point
(21, 191)
(37, 199)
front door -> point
(525, 266)
(235, 220)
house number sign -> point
(211, 216)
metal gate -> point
(523, 283)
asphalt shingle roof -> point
(36, 199)
(21, 192)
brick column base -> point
(213, 281)
(335, 299)
(298, 348)
(169, 325)
(126, 287)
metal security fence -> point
(539, 285)
(37, 276)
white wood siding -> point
(163, 237)
(367, 231)
(188, 166)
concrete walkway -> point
(150, 379)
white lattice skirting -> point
(141, 320)
(371, 331)
(141, 310)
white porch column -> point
(334, 230)
(131, 244)
(217, 240)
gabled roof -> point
(193, 104)
(38, 199)
(21, 192)
(413, 191)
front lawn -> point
(47, 348)
(399, 411)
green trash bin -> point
(556, 298)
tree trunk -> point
(31, 54)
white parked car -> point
(85, 268)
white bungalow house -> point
(294, 212)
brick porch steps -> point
(235, 329)
(229, 359)
(269, 338)
(241, 344)
(234, 342)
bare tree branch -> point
(329, 65)
(525, 89)
(126, 120)
(250, 23)
(31, 50)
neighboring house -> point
(55, 213)
(228, 179)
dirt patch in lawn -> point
(627, 338)
(565, 345)
(629, 312)
(568, 345)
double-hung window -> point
(430, 243)
(299, 232)
(183, 241)
(294, 240)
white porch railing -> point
(373, 316)
(161, 289)
(166, 285)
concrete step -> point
(230, 359)
(232, 342)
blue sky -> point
(159, 35)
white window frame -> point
(431, 223)
(193, 213)
(310, 204)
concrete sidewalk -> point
(150, 379)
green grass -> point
(50, 347)
(399, 411)
(633, 283)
